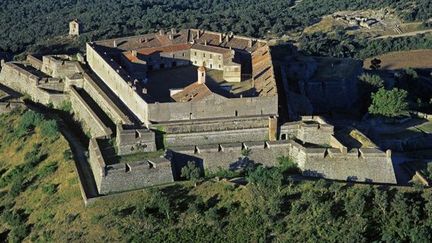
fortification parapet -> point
(133, 140)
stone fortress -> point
(151, 103)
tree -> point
(371, 82)
(389, 103)
(375, 64)
(191, 172)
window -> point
(211, 55)
(283, 137)
(220, 66)
(195, 53)
(211, 65)
(220, 57)
(203, 54)
(236, 113)
(183, 54)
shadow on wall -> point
(180, 160)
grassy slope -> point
(214, 211)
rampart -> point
(117, 80)
(85, 114)
(17, 77)
(131, 141)
(215, 137)
(127, 176)
(360, 165)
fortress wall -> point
(131, 141)
(203, 138)
(127, 176)
(135, 175)
(225, 156)
(105, 103)
(315, 133)
(87, 116)
(97, 162)
(212, 108)
(363, 165)
(58, 68)
(25, 82)
(373, 166)
(212, 125)
(104, 69)
(35, 62)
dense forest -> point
(28, 22)
(339, 44)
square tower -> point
(74, 28)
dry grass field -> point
(404, 59)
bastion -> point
(154, 102)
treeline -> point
(339, 44)
(25, 23)
(273, 210)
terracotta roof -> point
(208, 48)
(193, 92)
(171, 48)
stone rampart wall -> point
(229, 136)
(213, 108)
(84, 113)
(35, 62)
(213, 125)
(23, 81)
(131, 140)
(362, 165)
(127, 176)
(105, 103)
(106, 69)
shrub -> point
(287, 165)
(29, 120)
(191, 171)
(50, 129)
(18, 233)
(17, 187)
(49, 189)
(47, 169)
(67, 154)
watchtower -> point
(74, 28)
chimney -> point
(201, 75)
(134, 53)
(170, 36)
(173, 31)
(199, 34)
(220, 38)
(161, 32)
(205, 42)
(115, 43)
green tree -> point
(371, 82)
(389, 103)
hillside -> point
(40, 201)
(34, 25)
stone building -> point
(74, 28)
(151, 103)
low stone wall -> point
(84, 113)
(212, 125)
(127, 176)
(361, 165)
(203, 138)
(225, 156)
(25, 82)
